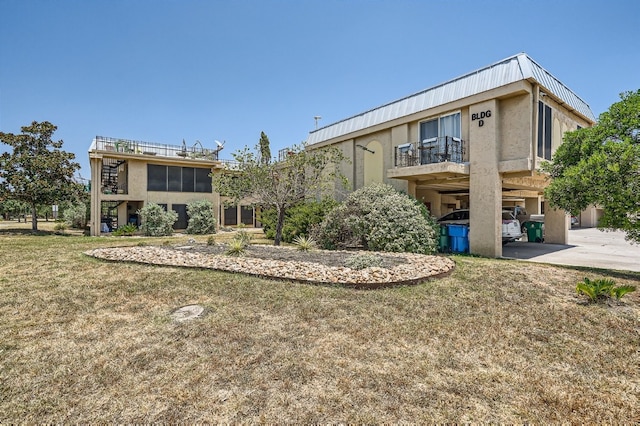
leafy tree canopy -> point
(11, 208)
(601, 165)
(38, 172)
(301, 175)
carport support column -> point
(485, 184)
(556, 226)
(411, 188)
(532, 205)
(95, 217)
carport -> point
(445, 187)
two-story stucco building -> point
(474, 142)
(127, 174)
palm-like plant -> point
(304, 243)
(602, 289)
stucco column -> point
(434, 198)
(556, 226)
(411, 188)
(96, 167)
(485, 184)
(532, 205)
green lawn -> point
(86, 341)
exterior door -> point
(183, 219)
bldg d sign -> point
(480, 116)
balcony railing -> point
(429, 151)
(102, 143)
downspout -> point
(534, 128)
(353, 156)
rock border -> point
(415, 268)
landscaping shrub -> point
(60, 227)
(362, 261)
(201, 218)
(75, 215)
(238, 244)
(235, 247)
(243, 236)
(303, 243)
(156, 222)
(298, 219)
(602, 289)
(379, 218)
(125, 230)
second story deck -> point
(132, 147)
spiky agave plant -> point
(236, 247)
(304, 243)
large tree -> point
(38, 172)
(601, 165)
(265, 149)
(300, 175)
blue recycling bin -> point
(459, 236)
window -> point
(175, 179)
(246, 215)
(428, 141)
(203, 181)
(440, 139)
(188, 179)
(156, 178)
(544, 131)
(178, 179)
(230, 215)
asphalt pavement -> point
(587, 247)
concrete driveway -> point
(588, 247)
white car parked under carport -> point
(511, 228)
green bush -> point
(76, 215)
(60, 226)
(602, 289)
(243, 237)
(362, 261)
(238, 244)
(128, 230)
(201, 218)
(156, 222)
(379, 218)
(298, 220)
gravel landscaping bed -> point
(317, 266)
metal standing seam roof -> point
(509, 70)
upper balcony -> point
(131, 147)
(439, 159)
(430, 151)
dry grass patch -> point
(497, 341)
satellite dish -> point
(220, 144)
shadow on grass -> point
(38, 233)
(626, 275)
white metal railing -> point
(103, 143)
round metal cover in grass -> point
(188, 312)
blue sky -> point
(168, 70)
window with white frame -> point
(438, 137)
